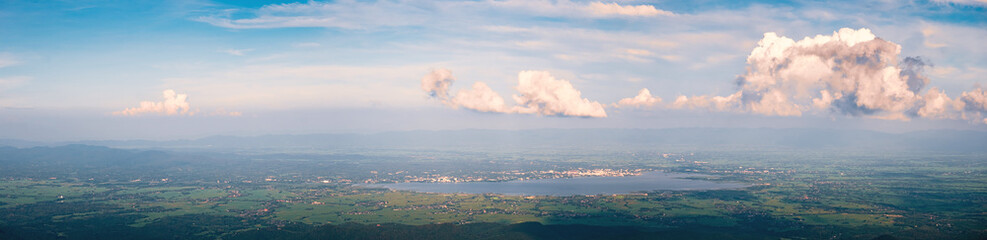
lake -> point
(648, 181)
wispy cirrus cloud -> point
(963, 2)
(565, 8)
(702, 49)
(342, 14)
(608, 9)
(360, 15)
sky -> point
(91, 70)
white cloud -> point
(639, 55)
(718, 103)
(541, 93)
(480, 98)
(607, 9)
(566, 8)
(643, 99)
(937, 105)
(342, 14)
(173, 104)
(361, 15)
(436, 83)
(852, 71)
(975, 101)
(538, 93)
(579, 45)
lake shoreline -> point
(645, 182)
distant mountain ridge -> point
(933, 140)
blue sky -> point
(80, 69)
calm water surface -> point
(649, 181)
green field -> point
(849, 196)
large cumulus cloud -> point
(850, 72)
